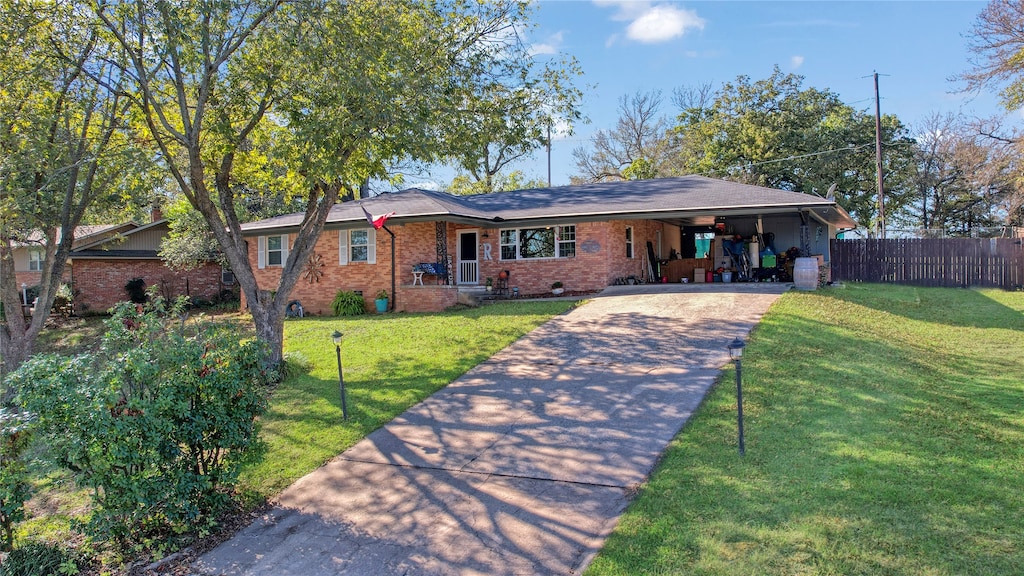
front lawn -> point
(884, 435)
(390, 363)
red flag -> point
(376, 221)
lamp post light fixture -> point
(736, 353)
(341, 376)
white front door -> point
(468, 265)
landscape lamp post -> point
(736, 352)
(341, 376)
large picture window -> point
(533, 243)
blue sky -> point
(626, 46)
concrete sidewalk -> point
(523, 465)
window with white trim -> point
(35, 260)
(629, 241)
(534, 243)
(275, 251)
(272, 251)
(359, 245)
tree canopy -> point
(637, 147)
(310, 98)
(66, 148)
(774, 132)
(505, 122)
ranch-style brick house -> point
(586, 236)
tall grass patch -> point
(884, 435)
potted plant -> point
(382, 301)
(489, 284)
(556, 288)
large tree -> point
(774, 132)
(64, 150)
(997, 61)
(510, 119)
(335, 91)
(963, 180)
(997, 52)
(638, 147)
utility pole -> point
(878, 163)
(549, 153)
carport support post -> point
(341, 376)
(736, 353)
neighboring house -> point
(586, 236)
(29, 254)
(101, 269)
(105, 257)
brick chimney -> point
(156, 214)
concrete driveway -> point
(524, 464)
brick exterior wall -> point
(27, 278)
(414, 243)
(100, 283)
(600, 259)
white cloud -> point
(652, 23)
(425, 185)
(796, 62)
(551, 45)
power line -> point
(850, 148)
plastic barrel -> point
(805, 273)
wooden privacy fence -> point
(945, 262)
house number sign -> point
(591, 247)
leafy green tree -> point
(189, 243)
(308, 98)
(464, 185)
(508, 120)
(65, 149)
(158, 422)
(776, 133)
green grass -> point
(390, 362)
(885, 428)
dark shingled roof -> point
(665, 198)
(116, 254)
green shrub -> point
(158, 422)
(37, 559)
(348, 303)
(14, 486)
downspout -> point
(394, 294)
